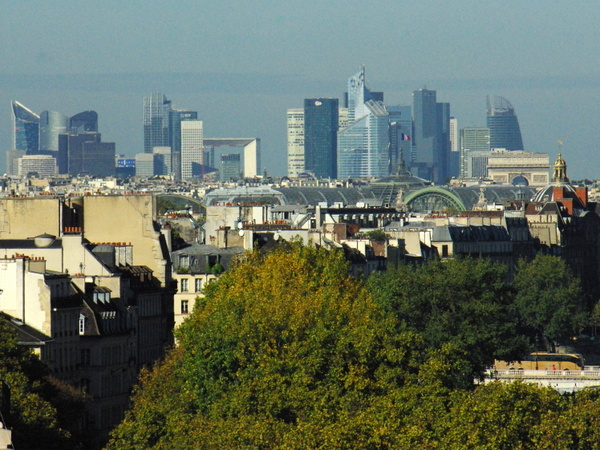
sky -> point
(241, 65)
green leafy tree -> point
(498, 415)
(43, 411)
(463, 301)
(286, 349)
(549, 298)
(377, 235)
(574, 428)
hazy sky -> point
(242, 64)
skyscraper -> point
(84, 121)
(431, 137)
(162, 161)
(321, 122)
(474, 151)
(295, 141)
(175, 118)
(156, 121)
(85, 153)
(453, 168)
(400, 134)
(503, 124)
(363, 147)
(230, 168)
(52, 123)
(26, 128)
(358, 95)
(192, 147)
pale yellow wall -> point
(21, 218)
(105, 219)
(126, 219)
(79, 259)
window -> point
(81, 324)
(184, 285)
(198, 284)
(184, 306)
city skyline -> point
(539, 60)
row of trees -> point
(287, 350)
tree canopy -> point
(549, 298)
(43, 411)
(463, 301)
(286, 350)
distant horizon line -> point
(271, 83)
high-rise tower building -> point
(358, 95)
(85, 121)
(363, 146)
(321, 123)
(431, 137)
(295, 141)
(26, 128)
(52, 123)
(230, 167)
(156, 121)
(503, 124)
(474, 151)
(85, 153)
(192, 147)
(400, 134)
(177, 116)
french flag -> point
(404, 137)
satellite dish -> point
(240, 225)
(241, 232)
(276, 236)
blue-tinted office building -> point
(321, 123)
(52, 123)
(363, 146)
(400, 134)
(502, 121)
(26, 129)
(156, 121)
(84, 122)
(431, 137)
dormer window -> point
(81, 324)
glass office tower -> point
(85, 121)
(400, 135)
(321, 122)
(52, 123)
(363, 146)
(503, 124)
(431, 137)
(156, 121)
(26, 128)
